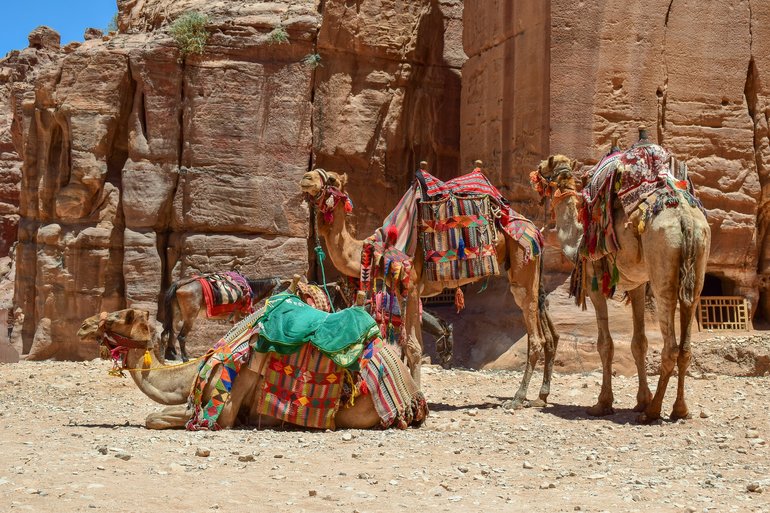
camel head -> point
(326, 190)
(127, 328)
(554, 177)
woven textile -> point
(302, 388)
(458, 238)
(225, 293)
(314, 296)
(228, 358)
(395, 396)
(521, 229)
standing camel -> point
(669, 250)
(128, 332)
(524, 276)
(185, 301)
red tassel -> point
(391, 234)
(459, 299)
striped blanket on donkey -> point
(642, 179)
(316, 363)
(225, 293)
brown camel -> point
(524, 278)
(184, 302)
(129, 330)
(670, 253)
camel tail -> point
(168, 312)
(687, 264)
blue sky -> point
(68, 17)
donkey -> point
(185, 301)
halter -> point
(547, 186)
(329, 197)
(117, 346)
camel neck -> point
(344, 250)
(162, 384)
(569, 231)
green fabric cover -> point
(288, 323)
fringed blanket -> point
(225, 293)
(231, 351)
(641, 179)
(396, 398)
(302, 388)
(314, 296)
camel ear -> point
(550, 162)
(130, 316)
(573, 164)
(343, 180)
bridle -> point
(327, 199)
(547, 186)
(117, 346)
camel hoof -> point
(640, 407)
(645, 418)
(513, 404)
(681, 415)
(599, 410)
(537, 403)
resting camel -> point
(184, 302)
(129, 331)
(524, 278)
(670, 254)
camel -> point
(185, 301)
(524, 278)
(129, 331)
(670, 253)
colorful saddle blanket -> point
(225, 293)
(305, 386)
(640, 178)
(388, 253)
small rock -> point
(754, 487)
(312, 493)
(347, 437)
(704, 414)
(246, 457)
(123, 456)
(546, 486)
(464, 470)
(203, 452)
(528, 465)
(102, 449)
(690, 509)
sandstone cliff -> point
(142, 166)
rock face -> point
(142, 166)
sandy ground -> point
(73, 440)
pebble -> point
(312, 493)
(754, 487)
(203, 452)
(546, 486)
(246, 457)
(347, 437)
(704, 414)
(123, 456)
(528, 465)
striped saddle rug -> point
(225, 293)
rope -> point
(162, 368)
(321, 256)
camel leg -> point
(686, 313)
(413, 343)
(361, 415)
(170, 417)
(551, 344)
(639, 347)
(527, 301)
(606, 348)
(669, 355)
(243, 388)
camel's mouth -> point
(308, 186)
